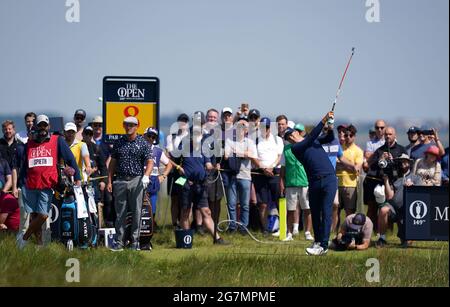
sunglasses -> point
(349, 135)
(96, 125)
(379, 128)
(130, 125)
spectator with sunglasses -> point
(79, 119)
(375, 143)
(348, 174)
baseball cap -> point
(265, 121)
(287, 133)
(183, 117)
(433, 150)
(380, 196)
(151, 130)
(42, 118)
(227, 109)
(413, 129)
(299, 127)
(291, 124)
(88, 129)
(97, 120)
(254, 112)
(70, 126)
(130, 120)
(359, 219)
(80, 112)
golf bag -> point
(74, 231)
(145, 225)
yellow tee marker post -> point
(283, 214)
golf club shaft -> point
(342, 80)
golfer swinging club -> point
(322, 182)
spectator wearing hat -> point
(267, 166)
(30, 121)
(178, 132)
(428, 137)
(354, 233)
(348, 173)
(79, 119)
(158, 156)
(294, 185)
(428, 169)
(194, 190)
(413, 137)
(391, 209)
(40, 175)
(444, 165)
(79, 149)
(300, 128)
(132, 164)
(322, 184)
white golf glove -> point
(145, 181)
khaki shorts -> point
(296, 196)
(347, 198)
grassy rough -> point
(243, 263)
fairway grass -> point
(242, 263)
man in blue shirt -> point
(194, 192)
(322, 184)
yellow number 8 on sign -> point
(116, 112)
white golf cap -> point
(97, 120)
(42, 118)
(130, 120)
(379, 194)
(227, 109)
(70, 126)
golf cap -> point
(254, 112)
(291, 124)
(413, 129)
(380, 196)
(287, 133)
(42, 118)
(70, 126)
(88, 129)
(151, 130)
(359, 219)
(131, 120)
(299, 127)
(80, 112)
(265, 121)
(183, 117)
(342, 127)
(97, 120)
(227, 109)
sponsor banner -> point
(426, 213)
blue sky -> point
(284, 56)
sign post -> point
(129, 96)
(426, 213)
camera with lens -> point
(388, 167)
(350, 236)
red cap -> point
(433, 150)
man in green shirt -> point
(294, 185)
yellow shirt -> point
(347, 178)
(76, 149)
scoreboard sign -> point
(129, 96)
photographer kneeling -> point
(392, 210)
(354, 234)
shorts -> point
(393, 216)
(37, 201)
(295, 196)
(215, 189)
(267, 189)
(347, 198)
(173, 189)
(194, 193)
